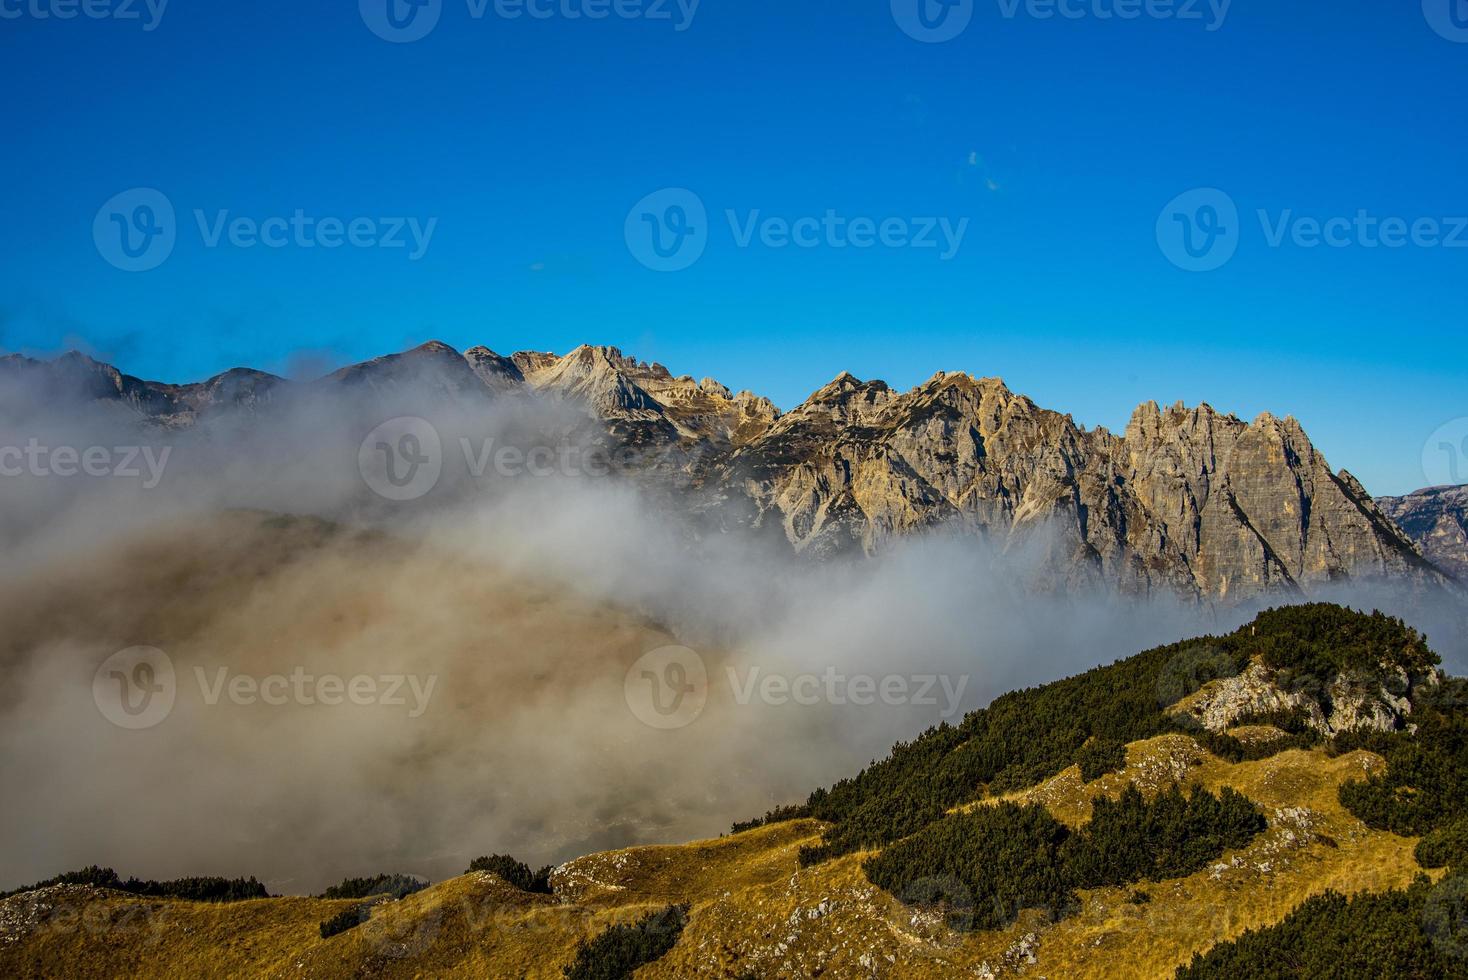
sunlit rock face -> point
(1187, 500)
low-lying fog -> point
(484, 668)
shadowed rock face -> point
(1187, 500)
(1437, 519)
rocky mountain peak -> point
(1187, 500)
(1437, 519)
(499, 373)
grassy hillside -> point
(1168, 851)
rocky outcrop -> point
(1437, 520)
(1379, 703)
(1186, 500)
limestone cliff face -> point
(1437, 520)
(1382, 703)
(1187, 500)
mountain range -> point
(1185, 500)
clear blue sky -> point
(1060, 140)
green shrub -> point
(1445, 847)
(190, 889)
(620, 950)
(348, 918)
(779, 814)
(1026, 737)
(1425, 784)
(515, 872)
(1100, 756)
(1008, 857)
(1171, 836)
(396, 886)
(1415, 933)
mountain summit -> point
(1187, 500)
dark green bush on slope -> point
(515, 872)
(620, 950)
(1426, 780)
(1006, 857)
(1416, 934)
(1445, 847)
(1100, 756)
(1027, 736)
(1171, 836)
(1009, 857)
(395, 886)
(191, 889)
(348, 918)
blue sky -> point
(528, 141)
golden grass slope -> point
(754, 911)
